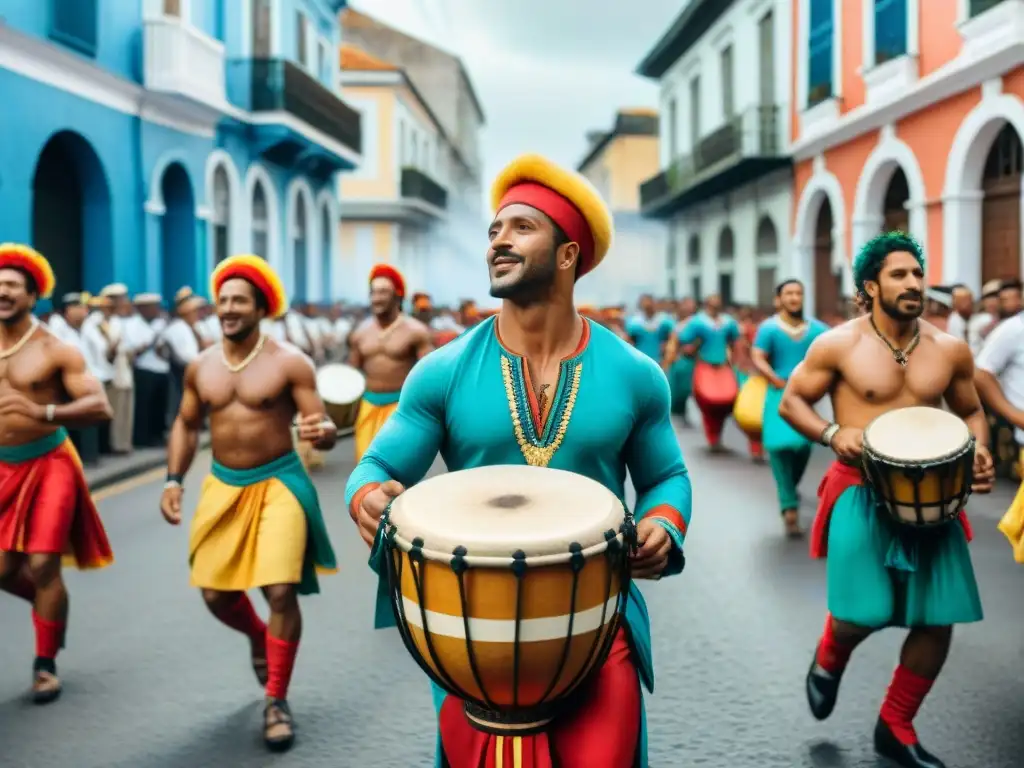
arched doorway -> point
(1000, 208)
(178, 230)
(767, 250)
(326, 293)
(827, 289)
(71, 223)
(221, 215)
(260, 221)
(726, 256)
(693, 266)
(300, 247)
(894, 208)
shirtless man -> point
(879, 576)
(257, 522)
(384, 347)
(45, 506)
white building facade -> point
(724, 188)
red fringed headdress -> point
(259, 273)
(33, 262)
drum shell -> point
(715, 387)
(749, 408)
(492, 595)
(925, 494)
(343, 416)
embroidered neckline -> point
(538, 444)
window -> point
(172, 8)
(673, 131)
(819, 52)
(693, 252)
(766, 287)
(299, 247)
(221, 215)
(401, 144)
(301, 24)
(980, 6)
(323, 69)
(725, 288)
(695, 288)
(890, 29)
(766, 50)
(726, 245)
(695, 111)
(261, 29)
(728, 105)
(260, 224)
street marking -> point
(130, 484)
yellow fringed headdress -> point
(259, 273)
(565, 197)
(17, 256)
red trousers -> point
(45, 508)
(602, 732)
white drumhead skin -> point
(918, 433)
(340, 384)
(494, 511)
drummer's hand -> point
(319, 430)
(984, 470)
(848, 443)
(170, 504)
(651, 555)
(372, 507)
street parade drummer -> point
(538, 384)
(257, 522)
(385, 347)
(45, 507)
(879, 576)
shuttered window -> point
(819, 54)
(890, 29)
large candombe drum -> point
(920, 463)
(341, 387)
(508, 584)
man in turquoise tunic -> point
(538, 384)
(781, 343)
(881, 573)
(649, 329)
(679, 368)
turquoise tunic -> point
(620, 421)
(649, 335)
(784, 354)
(715, 336)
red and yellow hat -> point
(565, 197)
(388, 272)
(421, 302)
(259, 273)
(33, 262)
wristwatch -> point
(827, 434)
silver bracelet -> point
(828, 434)
(51, 411)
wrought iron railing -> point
(753, 133)
(269, 85)
(417, 185)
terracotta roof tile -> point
(357, 60)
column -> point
(961, 239)
(202, 262)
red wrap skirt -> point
(46, 507)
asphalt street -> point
(152, 681)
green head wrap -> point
(868, 263)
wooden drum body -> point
(341, 387)
(508, 584)
(920, 463)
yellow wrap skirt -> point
(374, 410)
(1012, 524)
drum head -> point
(340, 384)
(918, 435)
(495, 511)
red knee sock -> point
(833, 654)
(21, 586)
(756, 449)
(49, 636)
(280, 663)
(905, 696)
(241, 616)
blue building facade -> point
(144, 142)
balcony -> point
(184, 65)
(419, 187)
(746, 148)
(297, 120)
(75, 23)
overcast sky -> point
(547, 71)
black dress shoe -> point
(822, 689)
(913, 756)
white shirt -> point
(182, 341)
(150, 360)
(98, 347)
(274, 329)
(59, 327)
(1003, 357)
(295, 330)
(969, 330)
(209, 328)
